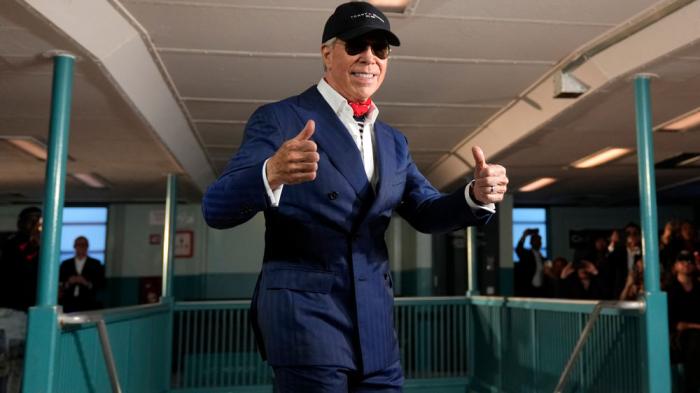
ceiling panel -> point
(455, 83)
(221, 134)
(232, 28)
(476, 39)
(241, 77)
(433, 139)
(466, 117)
(589, 11)
(200, 110)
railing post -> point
(472, 265)
(168, 296)
(42, 332)
(656, 316)
(169, 235)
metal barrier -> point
(138, 342)
(214, 347)
(587, 333)
(81, 319)
(519, 345)
(523, 345)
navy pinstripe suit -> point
(324, 296)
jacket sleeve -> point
(430, 211)
(239, 193)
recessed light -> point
(682, 123)
(537, 184)
(601, 157)
(398, 6)
(90, 179)
(29, 145)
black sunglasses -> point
(380, 47)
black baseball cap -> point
(356, 18)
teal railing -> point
(518, 345)
(138, 342)
(214, 347)
(523, 345)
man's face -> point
(30, 223)
(355, 77)
(81, 247)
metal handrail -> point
(98, 318)
(638, 305)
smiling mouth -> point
(363, 75)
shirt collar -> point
(339, 104)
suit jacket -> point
(324, 295)
(94, 272)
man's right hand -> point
(296, 161)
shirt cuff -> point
(477, 208)
(275, 194)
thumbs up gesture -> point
(490, 180)
(296, 161)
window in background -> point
(90, 222)
(524, 218)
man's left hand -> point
(490, 180)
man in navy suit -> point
(328, 176)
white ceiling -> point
(463, 63)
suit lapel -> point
(333, 138)
(386, 159)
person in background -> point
(634, 287)
(623, 252)
(689, 237)
(81, 277)
(19, 267)
(684, 320)
(670, 243)
(19, 262)
(599, 256)
(529, 274)
(580, 281)
(552, 272)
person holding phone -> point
(529, 271)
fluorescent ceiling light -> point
(28, 145)
(689, 161)
(390, 5)
(90, 179)
(537, 184)
(682, 123)
(601, 157)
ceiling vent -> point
(567, 86)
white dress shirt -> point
(79, 265)
(365, 144)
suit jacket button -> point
(332, 195)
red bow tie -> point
(360, 108)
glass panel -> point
(84, 215)
(529, 214)
(96, 235)
(90, 222)
(524, 218)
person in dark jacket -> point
(19, 262)
(81, 277)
